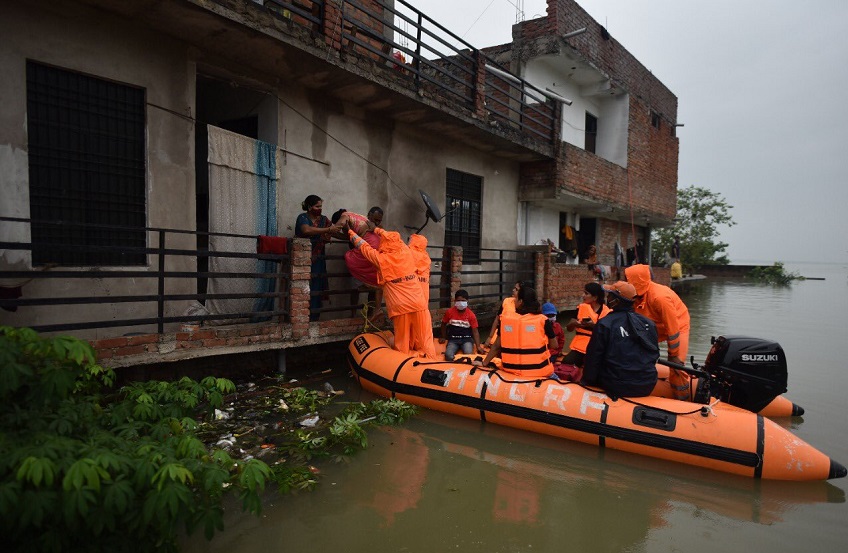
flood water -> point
(443, 483)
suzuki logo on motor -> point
(749, 357)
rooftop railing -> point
(435, 61)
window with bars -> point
(86, 169)
(591, 132)
(463, 206)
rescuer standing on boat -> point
(663, 306)
(406, 306)
(424, 339)
(622, 353)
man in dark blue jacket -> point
(622, 354)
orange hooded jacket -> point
(418, 245)
(395, 271)
(660, 304)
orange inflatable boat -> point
(716, 436)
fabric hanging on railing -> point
(243, 176)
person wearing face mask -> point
(623, 351)
(459, 328)
(315, 226)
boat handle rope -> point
(704, 410)
(496, 372)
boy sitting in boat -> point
(459, 328)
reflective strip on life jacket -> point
(524, 345)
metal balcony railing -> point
(434, 60)
(165, 285)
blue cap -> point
(549, 309)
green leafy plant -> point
(775, 274)
(86, 467)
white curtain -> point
(243, 177)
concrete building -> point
(123, 118)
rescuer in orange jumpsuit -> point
(660, 304)
(424, 340)
(406, 306)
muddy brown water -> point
(442, 483)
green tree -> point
(700, 213)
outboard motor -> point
(746, 372)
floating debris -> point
(309, 422)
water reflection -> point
(442, 482)
(446, 483)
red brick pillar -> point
(301, 261)
(542, 268)
(455, 271)
(331, 25)
(480, 85)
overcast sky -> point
(761, 88)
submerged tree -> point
(775, 274)
(700, 213)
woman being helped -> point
(364, 273)
(588, 313)
(311, 224)
(524, 339)
(507, 307)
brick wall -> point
(652, 162)
(607, 54)
(650, 178)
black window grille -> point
(463, 206)
(86, 169)
(656, 120)
(591, 132)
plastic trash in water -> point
(309, 422)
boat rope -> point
(632, 222)
(369, 326)
(700, 408)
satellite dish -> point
(433, 211)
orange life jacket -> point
(524, 345)
(582, 335)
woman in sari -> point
(315, 226)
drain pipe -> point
(281, 362)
